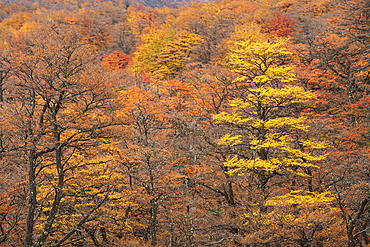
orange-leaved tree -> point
(337, 67)
(59, 108)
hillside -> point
(213, 123)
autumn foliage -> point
(215, 123)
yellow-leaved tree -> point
(164, 52)
(264, 120)
(266, 139)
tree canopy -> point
(215, 123)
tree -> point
(298, 218)
(338, 70)
(60, 106)
(5, 68)
(164, 52)
(214, 199)
(173, 56)
(280, 26)
(147, 159)
(269, 128)
(116, 60)
(265, 142)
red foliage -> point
(116, 60)
(144, 78)
(280, 26)
(141, 7)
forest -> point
(171, 123)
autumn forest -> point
(215, 123)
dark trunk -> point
(32, 198)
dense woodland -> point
(218, 123)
